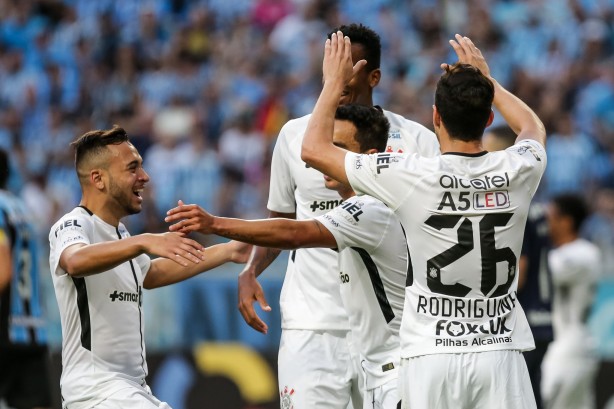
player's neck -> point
(101, 208)
(449, 144)
(345, 195)
(564, 238)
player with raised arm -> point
(372, 254)
(313, 317)
(464, 214)
(99, 272)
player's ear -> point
(370, 151)
(97, 178)
(436, 117)
(374, 77)
(491, 117)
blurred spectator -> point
(570, 365)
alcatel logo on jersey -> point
(125, 296)
(484, 183)
(67, 223)
(324, 204)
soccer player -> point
(99, 272)
(464, 214)
(24, 381)
(313, 317)
(570, 365)
(372, 259)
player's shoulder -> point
(526, 147)
(370, 208)
(294, 128)
(78, 218)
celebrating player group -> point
(402, 296)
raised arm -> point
(318, 150)
(523, 121)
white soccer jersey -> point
(310, 297)
(464, 217)
(575, 271)
(102, 320)
(373, 267)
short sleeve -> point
(144, 263)
(281, 188)
(532, 155)
(71, 229)
(358, 222)
(377, 175)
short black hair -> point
(572, 205)
(464, 100)
(5, 169)
(369, 39)
(371, 124)
(94, 143)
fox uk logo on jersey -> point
(126, 296)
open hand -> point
(337, 64)
(250, 291)
(468, 53)
(175, 247)
(189, 218)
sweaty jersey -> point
(372, 271)
(102, 321)
(21, 320)
(310, 293)
(464, 217)
(575, 270)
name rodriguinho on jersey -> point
(479, 318)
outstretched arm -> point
(278, 233)
(164, 271)
(81, 260)
(318, 150)
(516, 113)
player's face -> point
(127, 178)
(360, 87)
(343, 137)
(555, 221)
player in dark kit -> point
(24, 382)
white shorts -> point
(385, 396)
(476, 380)
(568, 379)
(318, 369)
(134, 398)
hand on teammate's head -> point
(468, 53)
(337, 64)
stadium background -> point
(203, 86)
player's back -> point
(20, 308)
(464, 217)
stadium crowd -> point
(205, 117)
(204, 86)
